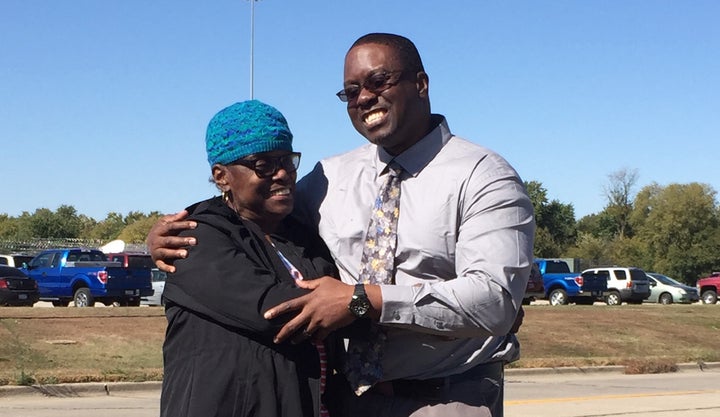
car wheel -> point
(709, 297)
(558, 297)
(83, 298)
(665, 298)
(613, 299)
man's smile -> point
(374, 117)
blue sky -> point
(104, 103)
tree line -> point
(672, 229)
(46, 226)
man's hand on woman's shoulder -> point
(163, 242)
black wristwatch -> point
(359, 303)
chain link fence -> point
(33, 246)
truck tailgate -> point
(128, 278)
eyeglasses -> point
(268, 166)
(375, 83)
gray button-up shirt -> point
(464, 250)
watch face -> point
(359, 306)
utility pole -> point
(252, 49)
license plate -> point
(22, 296)
(131, 292)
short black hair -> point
(406, 50)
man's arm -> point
(493, 255)
(165, 245)
(324, 309)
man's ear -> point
(423, 83)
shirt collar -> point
(416, 157)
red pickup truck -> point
(708, 288)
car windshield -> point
(86, 256)
(556, 267)
(22, 259)
(665, 280)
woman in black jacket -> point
(219, 355)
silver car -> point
(158, 284)
(665, 290)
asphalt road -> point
(688, 393)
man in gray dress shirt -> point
(464, 245)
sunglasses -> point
(268, 166)
(375, 83)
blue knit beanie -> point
(246, 128)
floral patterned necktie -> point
(363, 366)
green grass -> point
(58, 345)
(619, 335)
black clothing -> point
(220, 360)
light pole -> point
(252, 48)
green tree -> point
(43, 224)
(109, 228)
(628, 251)
(137, 231)
(591, 250)
(555, 223)
(63, 223)
(8, 227)
(679, 224)
(600, 225)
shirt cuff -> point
(398, 306)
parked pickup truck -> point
(15, 260)
(708, 288)
(85, 276)
(561, 285)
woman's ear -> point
(220, 176)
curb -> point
(563, 370)
(699, 366)
(110, 388)
(78, 389)
(681, 367)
